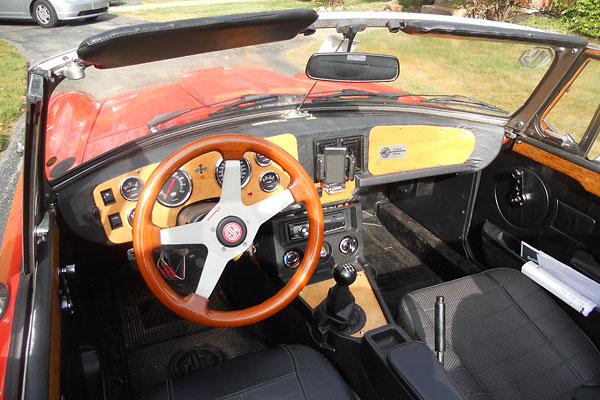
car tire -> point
(44, 14)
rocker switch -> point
(115, 221)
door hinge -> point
(41, 231)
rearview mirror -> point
(352, 67)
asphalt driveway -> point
(37, 44)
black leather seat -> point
(284, 372)
(506, 338)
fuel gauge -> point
(131, 187)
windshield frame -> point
(69, 65)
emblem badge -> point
(232, 232)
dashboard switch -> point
(348, 245)
(292, 258)
(107, 196)
(115, 221)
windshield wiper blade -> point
(258, 100)
(462, 101)
(361, 93)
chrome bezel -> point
(245, 182)
(260, 163)
(260, 181)
(187, 195)
(121, 187)
(131, 217)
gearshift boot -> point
(339, 311)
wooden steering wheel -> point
(227, 230)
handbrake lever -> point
(440, 328)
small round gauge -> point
(131, 187)
(269, 181)
(176, 190)
(130, 216)
(245, 171)
(261, 160)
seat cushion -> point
(505, 337)
(284, 372)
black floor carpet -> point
(159, 344)
(398, 271)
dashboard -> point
(100, 203)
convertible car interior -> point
(268, 210)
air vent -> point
(354, 146)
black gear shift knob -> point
(344, 274)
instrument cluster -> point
(198, 180)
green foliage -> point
(411, 5)
(13, 73)
(582, 16)
(489, 9)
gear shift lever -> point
(340, 301)
(339, 312)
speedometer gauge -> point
(245, 171)
(131, 187)
(176, 190)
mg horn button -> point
(231, 231)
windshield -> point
(109, 108)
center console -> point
(281, 248)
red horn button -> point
(231, 231)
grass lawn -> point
(209, 10)
(234, 7)
(488, 71)
(13, 76)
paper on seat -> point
(572, 287)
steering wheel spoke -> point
(194, 233)
(213, 269)
(266, 209)
(231, 191)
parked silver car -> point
(47, 13)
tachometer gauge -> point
(261, 160)
(245, 171)
(176, 190)
(269, 181)
(131, 187)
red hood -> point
(80, 127)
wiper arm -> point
(162, 118)
(462, 101)
(255, 99)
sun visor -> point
(469, 30)
(163, 40)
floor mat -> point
(172, 358)
(145, 320)
(398, 270)
(159, 344)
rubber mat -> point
(153, 364)
(144, 319)
(159, 344)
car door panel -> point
(558, 215)
(14, 9)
